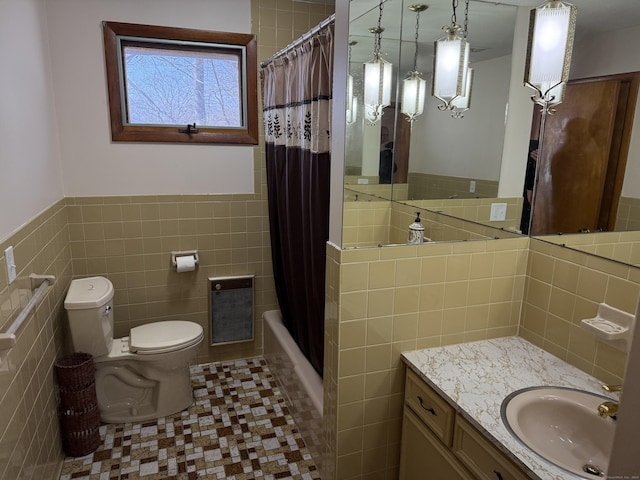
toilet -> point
(140, 377)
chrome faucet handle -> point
(612, 388)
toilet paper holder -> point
(186, 253)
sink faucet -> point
(609, 409)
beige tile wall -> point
(422, 185)
(439, 227)
(476, 209)
(366, 223)
(278, 22)
(130, 239)
(382, 301)
(379, 191)
(364, 181)
(331, 357)
(351, 195)
(473, 209)
(628, 217)
(619, 246)
(372, 314)
(29, 430)
(369, 223)
(565, 286)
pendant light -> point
(450, 63)
(551, 32)
(413, 86)
(462, 103)
(377, 77)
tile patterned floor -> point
(238, 428)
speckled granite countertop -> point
(475, 377)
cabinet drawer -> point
(484, 460)
(423, 456)
(437, 414)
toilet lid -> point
(161, 337)
(91, 292)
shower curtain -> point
(297, 88)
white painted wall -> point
(519, 116)
(91, 163)
(442, 145)
(30, 170)
(371, 140)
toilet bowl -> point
(139, 377)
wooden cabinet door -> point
(423, 456)
(483, 459)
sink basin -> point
(562, 426)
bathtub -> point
(300, 383)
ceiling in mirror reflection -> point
(491, 28)
(491, 24)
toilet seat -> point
(163, 337)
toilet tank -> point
(89, 305)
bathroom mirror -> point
(491, 48)
(366, 141)
(426, 153)
(604, 54)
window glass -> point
(175, 87)
(180, 85)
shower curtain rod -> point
(321, 26)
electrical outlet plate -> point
(472, 186)
(498, 212)
(10, 261)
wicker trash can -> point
(78, 407)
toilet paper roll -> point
(186, 263)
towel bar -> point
(40, 285)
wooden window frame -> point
(122, 132)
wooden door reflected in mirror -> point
(582, 159)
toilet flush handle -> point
(107, 309)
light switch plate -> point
(472, 186)
(498, 212)
(11, 264)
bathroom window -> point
(181, 85)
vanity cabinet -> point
(439, 444)
(424, 456)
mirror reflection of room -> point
(431, 174)
(462, 166)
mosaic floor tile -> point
(238, 428)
